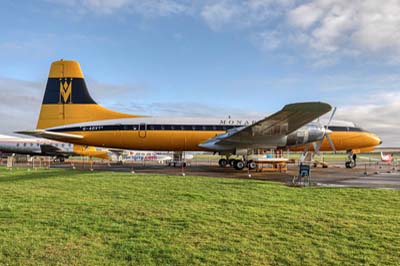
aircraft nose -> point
(375, 140)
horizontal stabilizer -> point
(40, 133)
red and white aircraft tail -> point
(386, 158)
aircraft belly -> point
(166, 140)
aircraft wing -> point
(281, 123)
(49, 149)
(41, 133)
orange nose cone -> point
(375, 140)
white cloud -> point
(321, 29)
(232, 14)
(218, 15)
(20, 102)
(268, 40)
(144, 7)
(359, 27)
(367, 29)
(378, 113)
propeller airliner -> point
(68, 113)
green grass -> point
(65, 217)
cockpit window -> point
(357, 129)
(351, 129)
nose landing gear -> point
(351, 160)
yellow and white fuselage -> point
(185, 134)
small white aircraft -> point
(385, 158)
(130, 156)
(44, 147)
(388, 158)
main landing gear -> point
(237, 164)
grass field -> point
(65, 217)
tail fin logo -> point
(65, 91)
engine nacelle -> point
(299, 137)
(308, 134)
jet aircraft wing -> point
(49, 149)
(279, 124)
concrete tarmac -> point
(364, 175)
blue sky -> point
(212, 57)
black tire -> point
(349, 165)
(231, 162)
(251, 165)
(239, 165)
(222, 162)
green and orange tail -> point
(67, 99)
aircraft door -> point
(142, 130)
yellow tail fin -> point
(67, 99)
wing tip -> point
(310, 106)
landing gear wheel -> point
(251, 165)
(350, 164)
(222, 162)
(239, 165)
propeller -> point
(327, 134)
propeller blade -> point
(317, 147)
(332, 115)
(328, 137)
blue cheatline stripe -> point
(148, 127)
(175, 127)
(79, 92)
